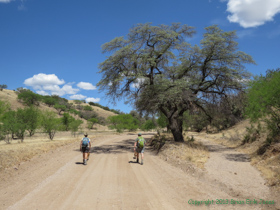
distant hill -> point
(10, 96)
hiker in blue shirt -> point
(139, 147)
(85, 148)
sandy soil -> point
(112, 180)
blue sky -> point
(54, 46)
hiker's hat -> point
(139, 134)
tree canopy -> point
(157, 70)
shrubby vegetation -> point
(123, 122)
(3, 86)
(264, 104)
(105, 108)
(28, 97)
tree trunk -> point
(176, 127)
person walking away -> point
(139, 147)
(85, 146)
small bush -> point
(190, 139)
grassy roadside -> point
(189, 154)
(13, 154)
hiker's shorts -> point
(140, 150)
(85, 149)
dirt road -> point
(111, 180)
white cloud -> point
(43, 80)
(86, 86)
(49, 84)
(42, 92)
(56, 90)
(252, 13)
(68, 89)
(78, 97)
(95, 100)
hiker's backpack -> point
(141, 142)
(85, 142)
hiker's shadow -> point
(79, 163)
(133, 162)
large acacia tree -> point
(156, 69)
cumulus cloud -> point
(43, 80)
(252, 13)
(95, 100)
(42, 92)
(78, 97)
(86, 86)
(49, 84)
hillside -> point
(10, 96)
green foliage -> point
(263, 96)
(28, 97)
(122, 122)
(88, 108)
(32, 119)
(4, 106)
(264, 103)
(16, 123)
(74, 126)
(9, 123)
(60, 108)
(92, 122)
(50, 123)
(162, 121)
(3, 87)
(252, 134)
(195, 121)
(49, 100)
(149, 125)
(157, 70)
(74, 111)
(78, 101)
(105, 108)
(67, 119)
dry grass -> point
(13, 154)
(189, 152)
(101, 112)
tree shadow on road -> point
(216, 148)
(116, 147)
(238, 157)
